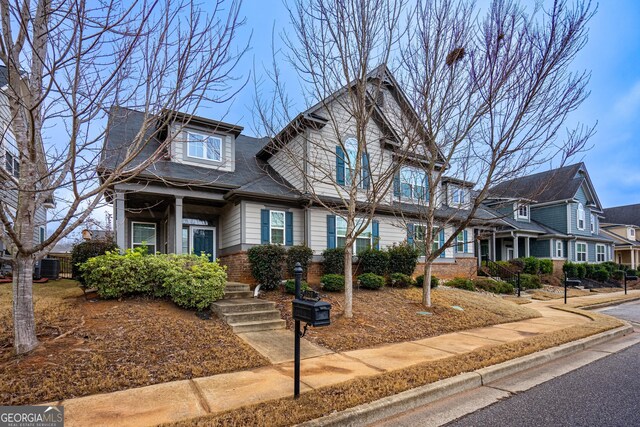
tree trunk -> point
(348, 282)
(24, 322)
(426, 285)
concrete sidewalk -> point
(179, 400)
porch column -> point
(526, 246)
(178, 224)
(119, 223)
(492, 247)
(516, 255)
(633, 259)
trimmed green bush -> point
(530, 265)
(333, 261)
(581, 269)
(82, 251)
(371, 281)
(190, 281)
(374, 261)
(546, 266)
(266, 263)
(601, 274)
(401, 280)
(494, 286)
(290, 286)
(403, 259)
(530, 281)
(632, 272)
(589, 270)
(570, 269)
(332, 282)
(610, 266)
(301, 254)
(618, 275)
(461, 283)
(435, 282)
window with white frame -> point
(413, 183)
(42, 235)
(460, 243)
(144, 234)
(420, 233)
(580, 216)
(351, 147)
(205, 147)
(632, 233)
(276, 228)
(458, 196)
(581, 252)
(559, 249)
(363, 241)
(592, 223)
(600, 253)
(523, 211)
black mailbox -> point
(632, 277)
(315, 313)
(573, 282)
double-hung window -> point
(458, 196)
(460, 243)
(581, 252)
(276, 228)
(413, 183)
(592, 223)
(523, 211)
(144, 234)
(205, 147)
(420, 232)
(363, 241)
(559, 249)
(351, 146)
(600, 253)
(632, 233)
(580, 215)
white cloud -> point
(628, 105)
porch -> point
(505, 246)
(628, 256)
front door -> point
(203, 240)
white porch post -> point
(178, 224)
(119, 223)
(633, 259)
(526, 246)
(515, 247)
(492, 247)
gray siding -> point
(540, 248)
(552, 216)
(582, 198)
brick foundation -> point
(557, 268)
(238, 268)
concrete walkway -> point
(179, 400)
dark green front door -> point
(203, 241)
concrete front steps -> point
(247, 314)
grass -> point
(321, 402)
(392, 315)
(97, 347)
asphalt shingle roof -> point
(628, 215)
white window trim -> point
(42, 234)
(604, 252)
(586, 251)
(155, 235)
(192, 229)
(592, 223)
(520, 206)
(204, 147)
(580, 216)
(559, 249)
(414, 170)
(460, 241)
(283, 228)
(632, 233)
(461, 194)
(338, 218)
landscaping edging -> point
(608, 304)
(374, 411)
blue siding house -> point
(554, 214)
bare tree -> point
(493, 94)
(339, 50)
(67, 63)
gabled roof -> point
(624, 215)
(620, 240)
(549, 186)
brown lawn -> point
(392, 315)
(96, 347)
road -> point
(604, 391)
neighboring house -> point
(554, 214)
(622, 224)
(95, 234)
(10, 166)
(220, 192)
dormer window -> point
(592, 223)
(205, 147)
(632, 233)
(458, 196)
(413, 183)
(523, 211)
(580, 215)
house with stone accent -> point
(554, 214)
(220, 192)
(622, 224)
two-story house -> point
(622, 224)
(554, 214)
(221, 192)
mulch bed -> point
(392, 315)
(97, 347)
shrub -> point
(610, 266)
(333, 261)
(82, 251)
(581, 270)
(266, 264)
(494, 286)
(435, 282)
(618, 275)
(546, 266)
(570, 269)
(332, 282)
(371, 281)
(461, 283)
(403, 259)
(195, 282)
(374, 261)
(632, 272)
(589, 270)
(601, 274)
(290, 286)
(401, 280)
(301, 254)
(530, 281)
(530, 265)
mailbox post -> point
(297, 273)
(567, 282)
(625, 281)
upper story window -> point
(632, 233)
(204, 147)
(580, 216)
(592, 223)
(458, 196)
(412, 184)
(346, 157)
(523, 211)
(12, 164)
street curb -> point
(608, 304)
(368, 413)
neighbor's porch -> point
(628, 256)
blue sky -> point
(612, 54)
